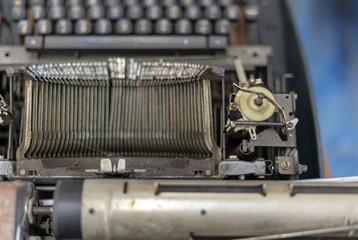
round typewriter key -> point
(70, 3)
(193, 12)
(55, 2)
(231, 12)
(183, 26)
(36, 2)
(109, 3)
(168, 3)
(251, 12)
(163, 26)
(89, 3)
(212, 12)
(173, 12)
(18, 13)
(24, 27)
(154, 12)
(56, 12)
(103, 26)
(203, 26)
(143, 26)
(135, 12)
(115, 12)
(123, 26)
(76, 12)
(38, 12)
(206, 3)
(187, 3)
(44, 27)
(148, 3)
(96, 12)
(19, 2)
(63, 27)
(83, 26)
(222, 26)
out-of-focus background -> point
(329, 33)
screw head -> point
(22, 172)
(285, 164)
(208, 173)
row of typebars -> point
(121, 107)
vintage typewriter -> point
(161, 119)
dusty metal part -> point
(286, 165)
(13, 209)
(7, 168)
(237, 168)
(184, 209)
(137, 167)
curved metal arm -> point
(288, 125)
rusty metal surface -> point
(9, 192)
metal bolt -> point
(22, 172)
(208, 172)
(290, 124)
(285, 164)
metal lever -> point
(288, 125)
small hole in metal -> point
(254, 54)
(91, 211)
(7, 54)
(203, 212)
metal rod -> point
(303, 233)
(258, 123)
(10, 73)
(42, 210)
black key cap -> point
(203, 26)
(251, 12)
(154, 12)
(36, 2)
(83, 26)
(89, 3)
(222, 26)
(44, 27)
(76, 12)
(38, 12)
(148, 3)
(103, 26)
(123, 26)
(173, 12)
(224, 3)
(130, 2)
(63, 27)
(115, 12)
(96, 12)
(163, 26)
(24, 27)
(54, 2)
(183, 26)
(187, 3)
(168, 3)
(109, 3)
(206, 3)
(143, 26)
(56, 12)
(232, 12)
(135, 12)
(213, 12)
(70, 3)
(18, 13)
(192, 12)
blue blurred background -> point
(329, 33)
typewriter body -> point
(161, 120)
